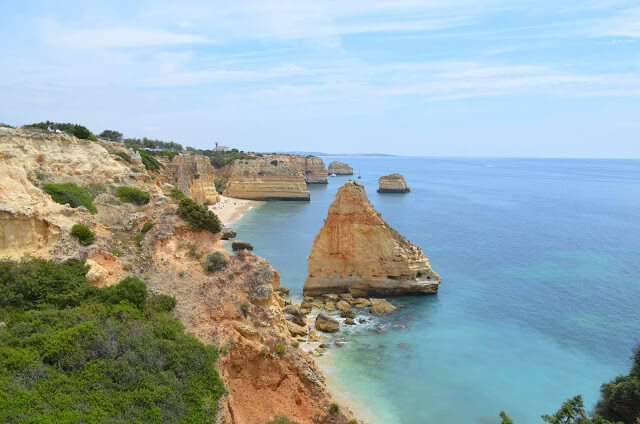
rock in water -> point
(326, 324)
(394, 183)
(227, 233)
(357, 252)
(340, 168)
(241, 245)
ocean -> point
(540, 298)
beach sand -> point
(229, 209)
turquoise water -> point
(540, 297)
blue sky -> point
(434, 77)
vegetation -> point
(334, 408)
(619, 402)
(111, 135)
(73, 129)
(150, 163)
(146, 143)
(71, 352)
(83, 233)
(146, 226)
(71, 194)
(281, 419)
(279, 348)
(124, 155)
(215, 262)
(198, 215)
(133, 195)
(177, 194)
(220, 158)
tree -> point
(111, 135)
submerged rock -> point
(357, 252)
(381, 307)
(393, 183)
(326, 324)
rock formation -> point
(357, 252)
(394, 183)
(340, 168)
(265, 178)
(191, 173)
(312, 167)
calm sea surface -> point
(540, 299)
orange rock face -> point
(357, 252)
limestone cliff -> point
(194, 175)
(312, 167)
(356, 251)
(340, 168)
(265, 178)
(393, 183)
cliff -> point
(194, 175)
(266, 178)
(312, 167)
(393, 183)
(357, 252)
(340, 168)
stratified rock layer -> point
(340, 168)
(194, 175)
(394, 183)
(312, 167)
(357, 252)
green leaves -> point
(133, 195)
(198, 215)
(71, 194)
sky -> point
(523, 78)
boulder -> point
(393, 183)
(297, 316)
(314, 337)
(381, 307)
(326, 324)
(329, 306)
(246, 331)
(241, 245)
(283, 290)
(362, 302)
(349, 321)
(345, 309)
(227, 233)
(295, 329)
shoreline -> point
(229, 209)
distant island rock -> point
(340, 168)
(357, 252)
(393, 183)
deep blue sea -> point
(540, 300)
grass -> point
(71, 194)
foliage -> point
(215, 262)
(281, 419)
(111, 135)
(334, 408)
(133, 195)
(279, 348)
(177, 194)
(274, 162)
(124, 155)
(146, 143)
(505, 419)
(71, 194)
(220, 158)
(150, 163)
(68, 353)
(198, 215)
(73, 129)
(83, 233)
(146, 226)
(620, 398)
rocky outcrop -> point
(312, 167)
(193, 174)
(265, 178)
(393, 183)
(326, 324)
(340, 168)
(357, 252)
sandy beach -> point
(229, 209)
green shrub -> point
(198, 216)
(73, 129)
(279, 348)
(124, 155)
(176, 194)
(620, 398)
(274, 162)
(131, 289)
(215, 262)
(71, 194)
(149, 162)
(281, 419)
(111, 135)
(334, 408)
(83, 233)
(146, 226)
(69, 355)
(133, 195)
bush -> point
(281, 419)
(71, 194)
(334, 408)
(215, 262)
(131, 289)
(146, 227)
(83, 233)
(124, 155)
(111, 135)
(620, 398)
(133, 195)
(73, 129)
(150, 163)
(274, 162)
(279, 348)
(176, 194)
(89, 360)
(198, 216)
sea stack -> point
(357, 252)
(394, 183)
(340, 168)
